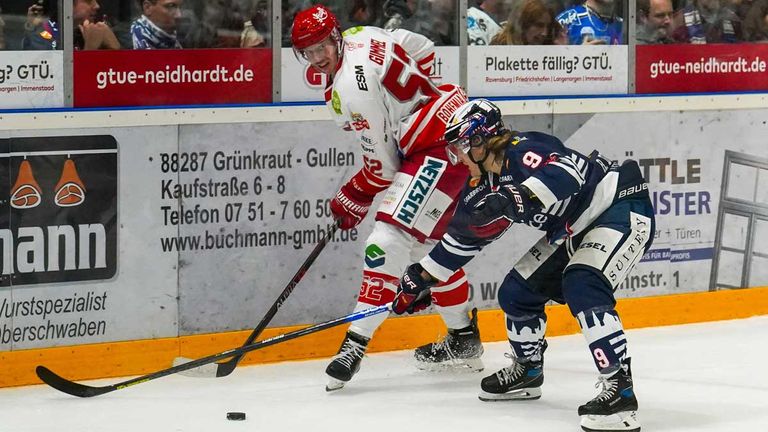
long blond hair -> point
(497, 145)
(523, 14)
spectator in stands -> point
(254, 30)
(41, 30)
(756, 22)
(156, 28)
(654, 22)
(250, 37)
(363, 13)
(224, 23)
(531, 22)
(2, 31)
(592, 23)
(481, 26)
(443, 14)
(91, 30)
(398, 11)
(434, 19)
(707, 21)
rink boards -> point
(188, 228)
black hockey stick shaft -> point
(81, 390)
(226, 368)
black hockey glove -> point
(501, 206)
(413, 294)
(399, 7)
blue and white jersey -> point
(582, 23)
(572, 188)
(481, 28)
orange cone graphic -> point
(70, 190)
(26, 193)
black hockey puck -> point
(235, 416)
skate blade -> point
(334, 384)
(625, 421)
(522, 394)
(455, 365)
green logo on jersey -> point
(336, 102)
(352, 30)
(374, 256)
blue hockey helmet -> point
(471, 126)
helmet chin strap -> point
(480, 163)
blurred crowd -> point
(137, 24)
(164, 24)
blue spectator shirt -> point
(582, 22)
(45, 36)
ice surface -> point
(701, 377)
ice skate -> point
(346, 363)
(615, 408)
(460, 349)
(520, 381)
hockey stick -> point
(82, 390)
(216, 370)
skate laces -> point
(444, 344)
(509, 374)
(609, 386)
(350, 352)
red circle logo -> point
(314, 78)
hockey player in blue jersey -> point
(592, 23)
(598, 220)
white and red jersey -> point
(381, 91)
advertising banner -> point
(701, 68)
(708, 180)
(253, 207)
(172, 77)
(200, 227)
(546, 70)
(31, 79)
(300, 82)
(75, 265)
(60, 225)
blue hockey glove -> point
(413, 294)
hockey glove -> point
(413, 294)
(489, 221)
(350, 206)
(488, 216)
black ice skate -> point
(460, 349)
(615, 408)
(347, 362)
(520, 381)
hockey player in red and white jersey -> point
(379, 89)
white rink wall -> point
(214, 209)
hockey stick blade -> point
(81, 390)
(64, 385)
(225, 368)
